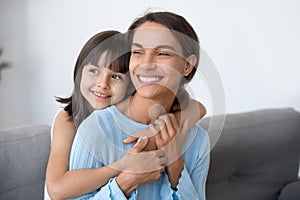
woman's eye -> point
(136, 52)
(117, 77)
(163, 54)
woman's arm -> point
(173, 133)
(61, 183)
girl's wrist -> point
(124, 184)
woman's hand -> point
(170, 140)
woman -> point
(164, 56)
(99, 80)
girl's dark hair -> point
(117, 56)
(187, 38)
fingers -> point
(172, 125)
(142, 162)
(168, 126)
(185, 128)
(141, 133)
(130, 139)
(140, 145)
(163, 159)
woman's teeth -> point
(149, 79)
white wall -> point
(254, 46)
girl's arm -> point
(194, 111)
(61, 183)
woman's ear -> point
(190, 64)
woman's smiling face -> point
(156, 62)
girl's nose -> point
(103, 81)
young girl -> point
(99, 81)
(164, 56)
(112, 82)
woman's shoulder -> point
(198, 136)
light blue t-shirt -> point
(99, 142)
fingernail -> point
(144, 138)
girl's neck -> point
(138, 108)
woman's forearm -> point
(174, 171)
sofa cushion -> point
(24, 153)
(291, 191)
(256, 155)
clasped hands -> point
(156, 149)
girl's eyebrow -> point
(157, 47)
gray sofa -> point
(256, 157)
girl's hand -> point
(128, 182)
(151, 145)
(137, 160)
(139, 167)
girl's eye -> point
(117, 77)
(94, 71)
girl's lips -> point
(101, 95)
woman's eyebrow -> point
(157, 47)
(137, 45)
(165, 47)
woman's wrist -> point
(174, 171)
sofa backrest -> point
(256, 155)
(24, 153)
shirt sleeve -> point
(192, 182)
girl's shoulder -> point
(62, 116)
(62, 123)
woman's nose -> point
(148, 61)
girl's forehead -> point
(106, 59)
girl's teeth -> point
(149, 79)
(101, 95)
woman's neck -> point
(138, 108)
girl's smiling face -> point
(101, 86)
(156, 63)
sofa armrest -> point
(24, 153)
(290, 191)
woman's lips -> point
(149, 78)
